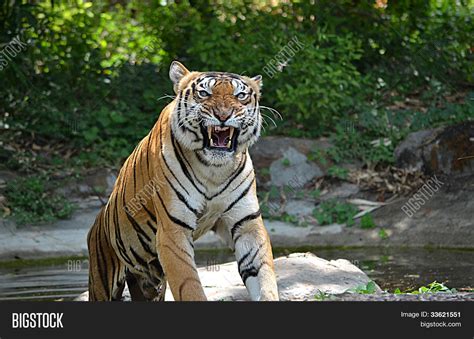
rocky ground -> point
(293, 187)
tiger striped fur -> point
(192, 173)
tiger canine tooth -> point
(228, 144)
(212, 142)
(209, 132)
(231, 133)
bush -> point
(31, 202)
(332, 211)
(322, 84)
(91, 75)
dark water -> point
(391, 269)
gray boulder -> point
(299, 208)
(293, 170)
(269, 149)
(448, 150)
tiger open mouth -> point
(223, 138)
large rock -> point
(99, 181)
(342, 191)
(300, 276)
(439, 151)
(293, 170)
(300, 208)
(269, 149)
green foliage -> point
(32, 202)
(322, 296)
(292, 219)
(315, 193)
(274, 193)
(367, 221)
(322, 78)
(369, 288)
(318, 155)
(434, 287)
(357, 145)
(338, 172)
(77, 79)
(332, 211)
(92, 72)
(383, 234)
(286, 162)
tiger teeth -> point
(211, 129)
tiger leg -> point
(254, 256)
(147, 287)
(133, 287)
(106, 271)
(176, 255)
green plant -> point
(274, 193)
(293, 219)
(286, 162)
(322, 296)
(383, 234)
(318, 155)
(31, 201)
(338, 172)
(360, 145)
(369, 288)
(434, 287)
(300, 194)
(332, 211)
(367, 221)
(315, 193)
(264, 171)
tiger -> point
(191, 174)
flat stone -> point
(63, 238)
(343, 191)
(300, 276)
(285, 231)
(300, 208)
(329, 229)
(293, 170)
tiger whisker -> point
(273, 111)
(166, 96)
(268, 117)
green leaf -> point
(367, 222)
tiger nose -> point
(223, 115)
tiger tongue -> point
(221, 138)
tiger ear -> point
(258, 81)
(177, 72)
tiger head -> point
(216, 114)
